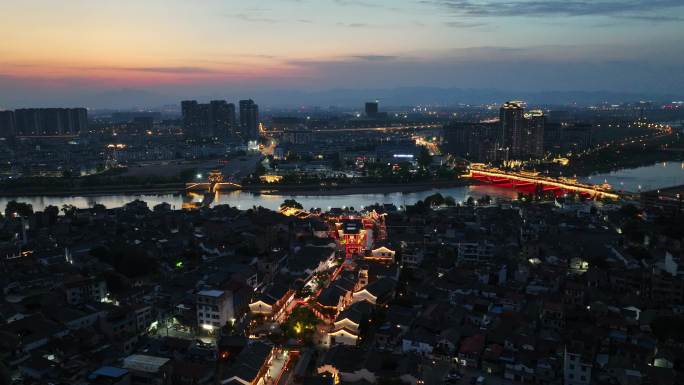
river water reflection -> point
(246, 200)
(645, 178)
(659, 175)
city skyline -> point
(341, 192)
(155, 52)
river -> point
(646, 178)
(652, 177)
(244, 200)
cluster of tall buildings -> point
(7, 124)
(473, 141)
(218, 119)
(249, 119)
(43, 122)
(372, 109)
(522, 134)
(517, 135)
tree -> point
(260, 170)
(634, 231)
(69, 210)
(301, 324)
(304, 292)
(629, 211)
(424, 158)
(52, 212)
(228, 328)
(161, 207)
(434, 200)
(99, 207)
(129, 260)
(484, 200)
(449, 201)
(20, 208)
(292, 204)
(418, 208)
(321, 279)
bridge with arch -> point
(529, 182)
(213, 184)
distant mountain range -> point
(352, 98)
(448, 96)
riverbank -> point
(246, 199)
(631, 155)
(173, 188)
(312, 190)
(636, 163)
(355, 189)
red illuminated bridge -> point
(533, 182)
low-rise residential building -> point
(251, 366)
(147, 369)
(83, 290)
(214, 309)
(272, 301)
(578, 359)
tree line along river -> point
(659, 175)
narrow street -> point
(436, 375)
(276, 369)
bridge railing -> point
(567, 184)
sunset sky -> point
(70, 50)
